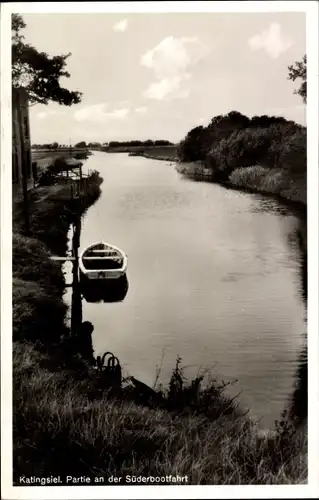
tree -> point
(299, 70)
(38, 72)
(162, 142)
(81, 144)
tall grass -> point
(59, 429)
(270, 180)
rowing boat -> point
(102, 261)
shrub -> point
(279, 146)
(59, 165)
(293, 156)
(47, 178)
(232, 141)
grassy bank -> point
(166, 153)
(65, 420)
(38, 282)
(254, 179)
(63, 425)
(270, 181)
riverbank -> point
(62, 426)
(165, 153)
(38, 282)
(254, 179)
(66, 423)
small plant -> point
(47, 178)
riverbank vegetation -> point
(165, 153)
(264, 153)
(64, 424)
(137, 143)
(37, 72)
(157, 150)
(38, 282)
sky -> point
(156, 76)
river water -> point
(214, 277)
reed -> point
(60, 428)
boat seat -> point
(102, 251)
(101, 258)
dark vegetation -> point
(53, 145)
(106, 145)
(38, 72)
(38, 282)
(299, 70)
(67, 423)
(81, 144)
(166, 153)
(148, 143)
(263, 153)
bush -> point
(47, 178)
(293, 156)
(59, 165)
(234, 141)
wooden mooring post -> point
(76, 304)
(76, 300)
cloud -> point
(50, 112)
(168, 86)
(118, 113)
(98, 113)
(121, 26)
(170, 62)
(141, 110)
(124, 104)
(271, 40)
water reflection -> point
(76, 302)
(299, 399)
(273, 206)
(95, 291)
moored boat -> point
(102, 261)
